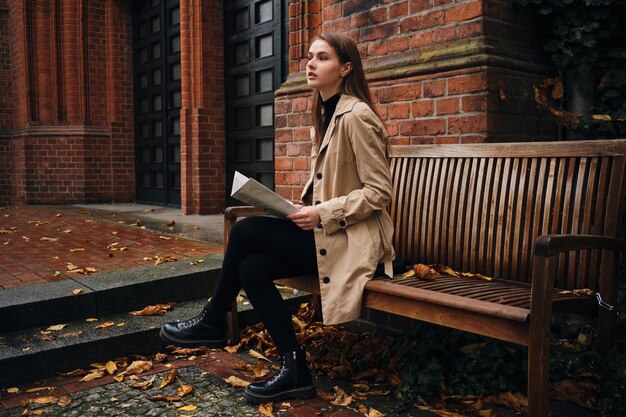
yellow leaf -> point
(120, 324)
(169, 377)
(13, 390)
(184, 389)
(77, 250)
(602, 117)
(341, 398)
(189, 407)
(49, 239)
(165, 238)
(56, 327)
(95, 374)
(266, 409)
(105, 325)
(77, 291)
(89, 320)
(45, 400)
(257, 355)
(119, 378)
(110, 367)
(375, 413)
(236, 382)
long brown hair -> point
(353, 84)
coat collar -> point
(346, 103)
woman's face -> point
(323, 70)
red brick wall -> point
(71, 81)
(203, 177)
(441, 71)
(6, 104)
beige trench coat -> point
(351, 188)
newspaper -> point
(253, 192)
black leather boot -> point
(206, 329)
(292, 381)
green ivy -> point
(587, 37)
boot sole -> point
(301, 393)
(212, 344)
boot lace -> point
(280, 373)
(194, 320)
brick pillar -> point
(71, 136)
(202, 136)
(441, 71)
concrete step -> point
(126, 290)
(27, 355)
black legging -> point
(261, 249)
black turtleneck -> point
(329, 109)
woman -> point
(339, 234)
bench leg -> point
(233, 324)
(539, 336)
(538, 376)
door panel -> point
(156, 56)
(254, 70)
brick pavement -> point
(38, 243)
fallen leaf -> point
(56, 327)
(169, 377)
(153, 310)
(137, 367)
(257, 355)
(77, 291)
(94, 374)
(165, 238)
(579, 292)
(89, 320)
(38, 389)
(341, 398)
(120, 324)
(49, 239)
(64, 401)
(119, 377)
(110, 367)
(266, 409)
(77, 250)
(71, 334)
(105, 325)
(602, 117)
(375, 413)
(190, 407)
(171, 223)
(13, 390)
(169, 398)
(236, 382)
(145, 384)
(184, 389)
(67, 231)
(75, 372)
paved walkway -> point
(43, 243)
(211, 395)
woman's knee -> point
(252, 271)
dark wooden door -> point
(254, 68)
(157, 74)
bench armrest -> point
(548, 245)
(235, 212)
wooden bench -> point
(539, 217)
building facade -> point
(160, 101)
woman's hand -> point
(306, 218)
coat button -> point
(317, 202)
(320, 226)
(342, 223)
(318, 175)
(323, 252)
(326, 280)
